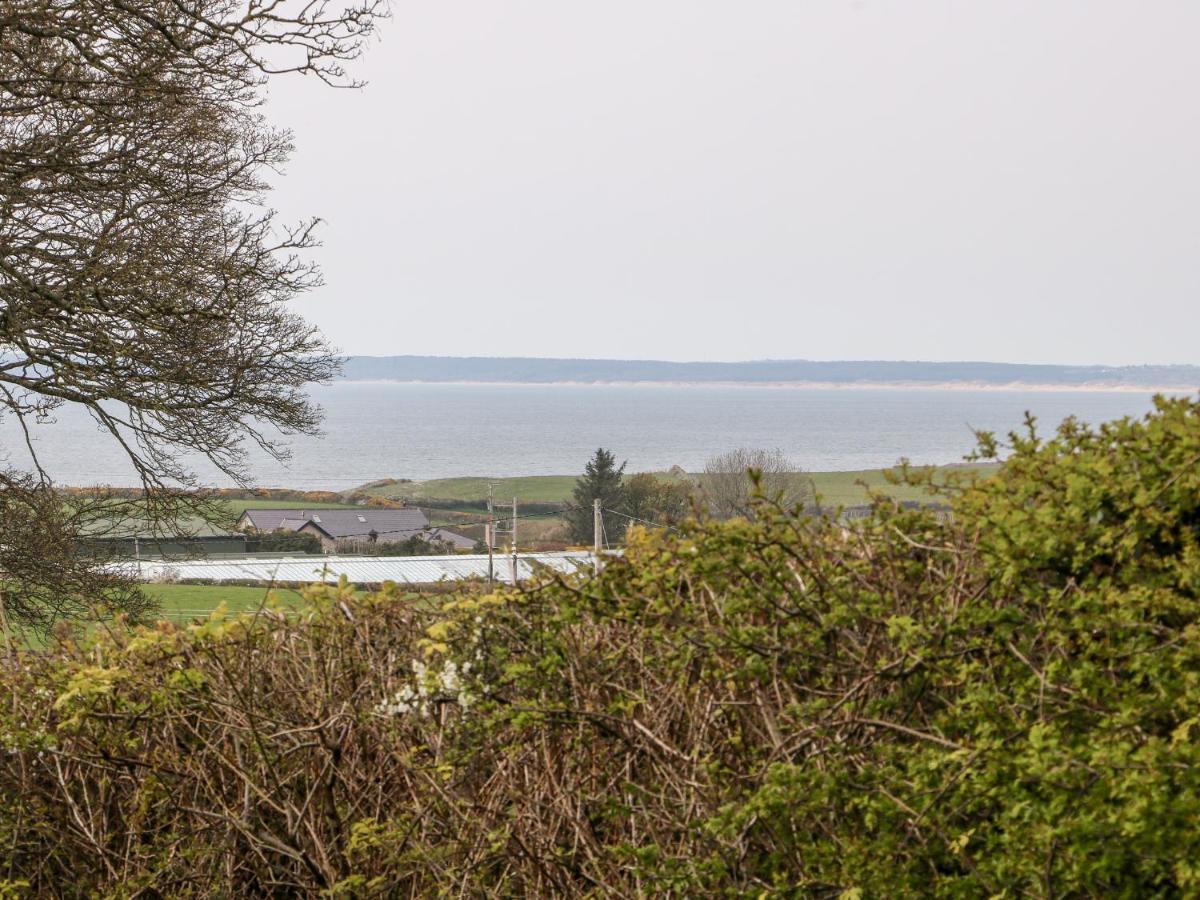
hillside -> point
(546, 371)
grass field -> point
(237, 507)
(850, 488)
(835, 488)
(186, 602)
(529, 489)
(195, 526)
(182, 602)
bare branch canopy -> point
(142, 275)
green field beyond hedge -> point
(835, 488)
(190, 601)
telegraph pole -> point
(514, 541)
(491, 539)
(597, 532)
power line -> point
(546, 515)
(482, 517)
(643, 521)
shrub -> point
(285, 541)
(417, 545)
(994, 703)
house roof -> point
(338, 522)
(457, 541)
(453, 538)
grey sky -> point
(688, 179)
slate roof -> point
(338, 523)
(457, 541)
(453, 538)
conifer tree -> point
(601, 479)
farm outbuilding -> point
(414, 570)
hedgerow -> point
(1000, 702)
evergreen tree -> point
(601, 479)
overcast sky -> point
(690, 179)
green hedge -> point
(1003, 703)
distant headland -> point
(791, 372)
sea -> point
(375, 430)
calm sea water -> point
(422, 431)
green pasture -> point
(233, 507)
(527, 489)
(182, 602)
(237, 507)
(834, 488)
(853, 488)
(185, 602)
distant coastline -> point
(1016, 386)
(807, 374)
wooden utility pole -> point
(514, 541)
(597, 534)
(491, 540)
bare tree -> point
(728, 486)
(142, 277)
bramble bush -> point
(1002, 702)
